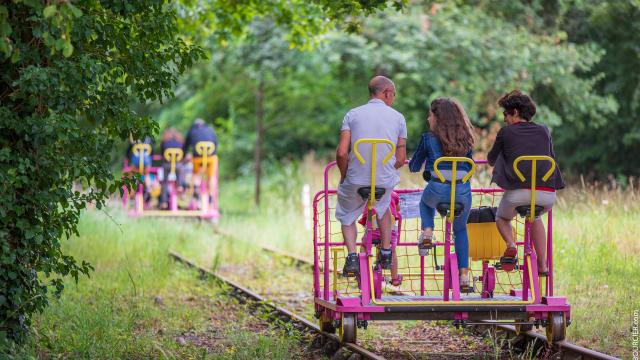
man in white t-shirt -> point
(375, 120)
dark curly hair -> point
(453, 128)
(517, 100)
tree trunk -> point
(259, 135)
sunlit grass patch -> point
(140, 304)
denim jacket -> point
(428, 150)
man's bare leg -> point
(349, 233)
(385, 229)
(504, 228)
(539, 239)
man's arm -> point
(342, 153)
(496, 149)
(401, 153)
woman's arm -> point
(415, 164)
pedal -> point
(348, 274)
(507, 264)
(467, 289)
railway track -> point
(536, 341)
(280, 312)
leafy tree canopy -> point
(429, 51)
(72, 74)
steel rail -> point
(564, 349)
(284, 313)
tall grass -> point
(138, 303)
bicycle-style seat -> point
(524, 210)
(365, 191)
(443, 209)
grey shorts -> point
(513, 198)
(351, 206)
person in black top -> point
(198, 132)
(520, 137)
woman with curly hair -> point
(451, 134)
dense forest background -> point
(580, 61)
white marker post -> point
(306, 206)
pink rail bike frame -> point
(325, 292)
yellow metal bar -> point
(454, 169)
(335, 269)
(204, 149)
(140, 149)
(386, 159)
(173, 155)
(431, 302)
(373, 177)
(534, 159)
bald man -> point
(378, 120)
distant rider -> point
(200, 131)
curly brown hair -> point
(519, 101)
(452, 127)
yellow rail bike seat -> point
(205, 157)
(372, 188)
(141, 150)
(444, 209)
(173, 155)
(533, 209)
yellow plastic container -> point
(485, 242)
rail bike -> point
(197, 198)
(430, 284)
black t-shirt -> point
(199, 133)
(523, 138)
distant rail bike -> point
(430, 289)
(200, 199)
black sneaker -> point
(351, 266)
(385, 259)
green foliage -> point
(69, 72)
(608, 144)
(429, 52)
(303, 19)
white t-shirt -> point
(374, 120)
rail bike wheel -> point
(556, 327)
(523, 328)
(326, 324)
(348, 328)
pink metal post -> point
(326, 229)
(447, 264)
(550, 253)
(316, 270)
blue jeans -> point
(435, 193)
